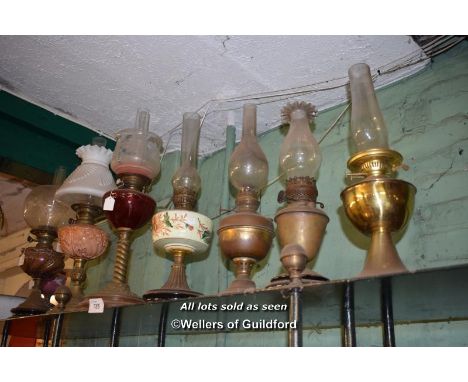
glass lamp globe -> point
(248, 166)
(368, 130)
(300, 153)
(43, 211)
(186, 176)
(137, 150)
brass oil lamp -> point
(245, 237)
(379, 204)
(136, 161)
(300, 223)
(82, 241)
(182, 231)
(44, 214)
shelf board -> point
(430, 295)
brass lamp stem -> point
(243, 281)
(77, 278)
(177, 278)
(122, 256)
(382, 255)
(244, 267)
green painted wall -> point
(427, 119)
(35, 137)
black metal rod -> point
(349, 323)
(295, 316)
(387, 312)
(6, 330)
(57, 332)
(163, 325)
(46, 337)
(115, 328)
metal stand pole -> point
(349, 324)
(46, 332)
(163, 325)
(6, 330)
(115, 328)
(57, 332)
(387, 312)
(295, 315)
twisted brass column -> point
(122, 256)
(117, 292)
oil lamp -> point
(379, 204)
(136, 162)
(44, 214)
(181, 232)
(300, 223)
(83, 190)
(245, 236)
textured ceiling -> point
(100, 81)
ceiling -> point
(100, 81)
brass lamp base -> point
(176, 285)
(378, 207)
(114, 294)
(382, 257)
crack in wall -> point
(224, 44)
(178, 82)
(440, 176)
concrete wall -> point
(427, 118)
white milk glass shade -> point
(248, 166)
(187, 175)
(137, 150)
(42, 210)
(91, 179)
(300, 153)
(368, 130)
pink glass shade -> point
(42, 262)
(137, 150)
(132, 209)
(82, 241)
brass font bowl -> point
(379, 204)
